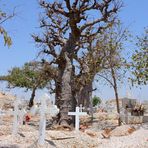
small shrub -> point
(96, 100)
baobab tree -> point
(67, 27)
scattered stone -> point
(62, 127)
(83, 127)
(106, 133)
(1, 133)
(122, 130)
(91, 133)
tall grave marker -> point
(15, 114)
(42, 124)
(53, 111)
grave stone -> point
(127, 118)
(135, 119)
(145, 104)
(128, 103)
(145, 119)
(77, 113)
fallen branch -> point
(61, 138)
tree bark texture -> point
(116, 95)
(65, 98)
(84, 95)
(31, 101)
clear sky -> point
(134, 13)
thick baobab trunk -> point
(65, 98)
(31, 101)
(58, 84)
(85, 94)
(66, 93)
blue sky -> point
(134, 13)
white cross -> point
(77, 114)
(42, 124)
(18, 116)
(81, 108)
(53, 111)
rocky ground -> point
(103, 133)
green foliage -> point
(140, 60)
(3, 32)
(30, 76)
(96, 100)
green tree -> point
(140, 60)
(96, 100)
(32, 76)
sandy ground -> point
(103, 133)
(119, 138)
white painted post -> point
(15, 113)
(1, 117)
(42, 124)
(77, 114)
(53, 111)
(33, 110)
(21, 116)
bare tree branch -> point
(68, 4)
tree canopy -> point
(33, 75)
(140, 60)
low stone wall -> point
(145, 119)
(132, 119)
(135, 119)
